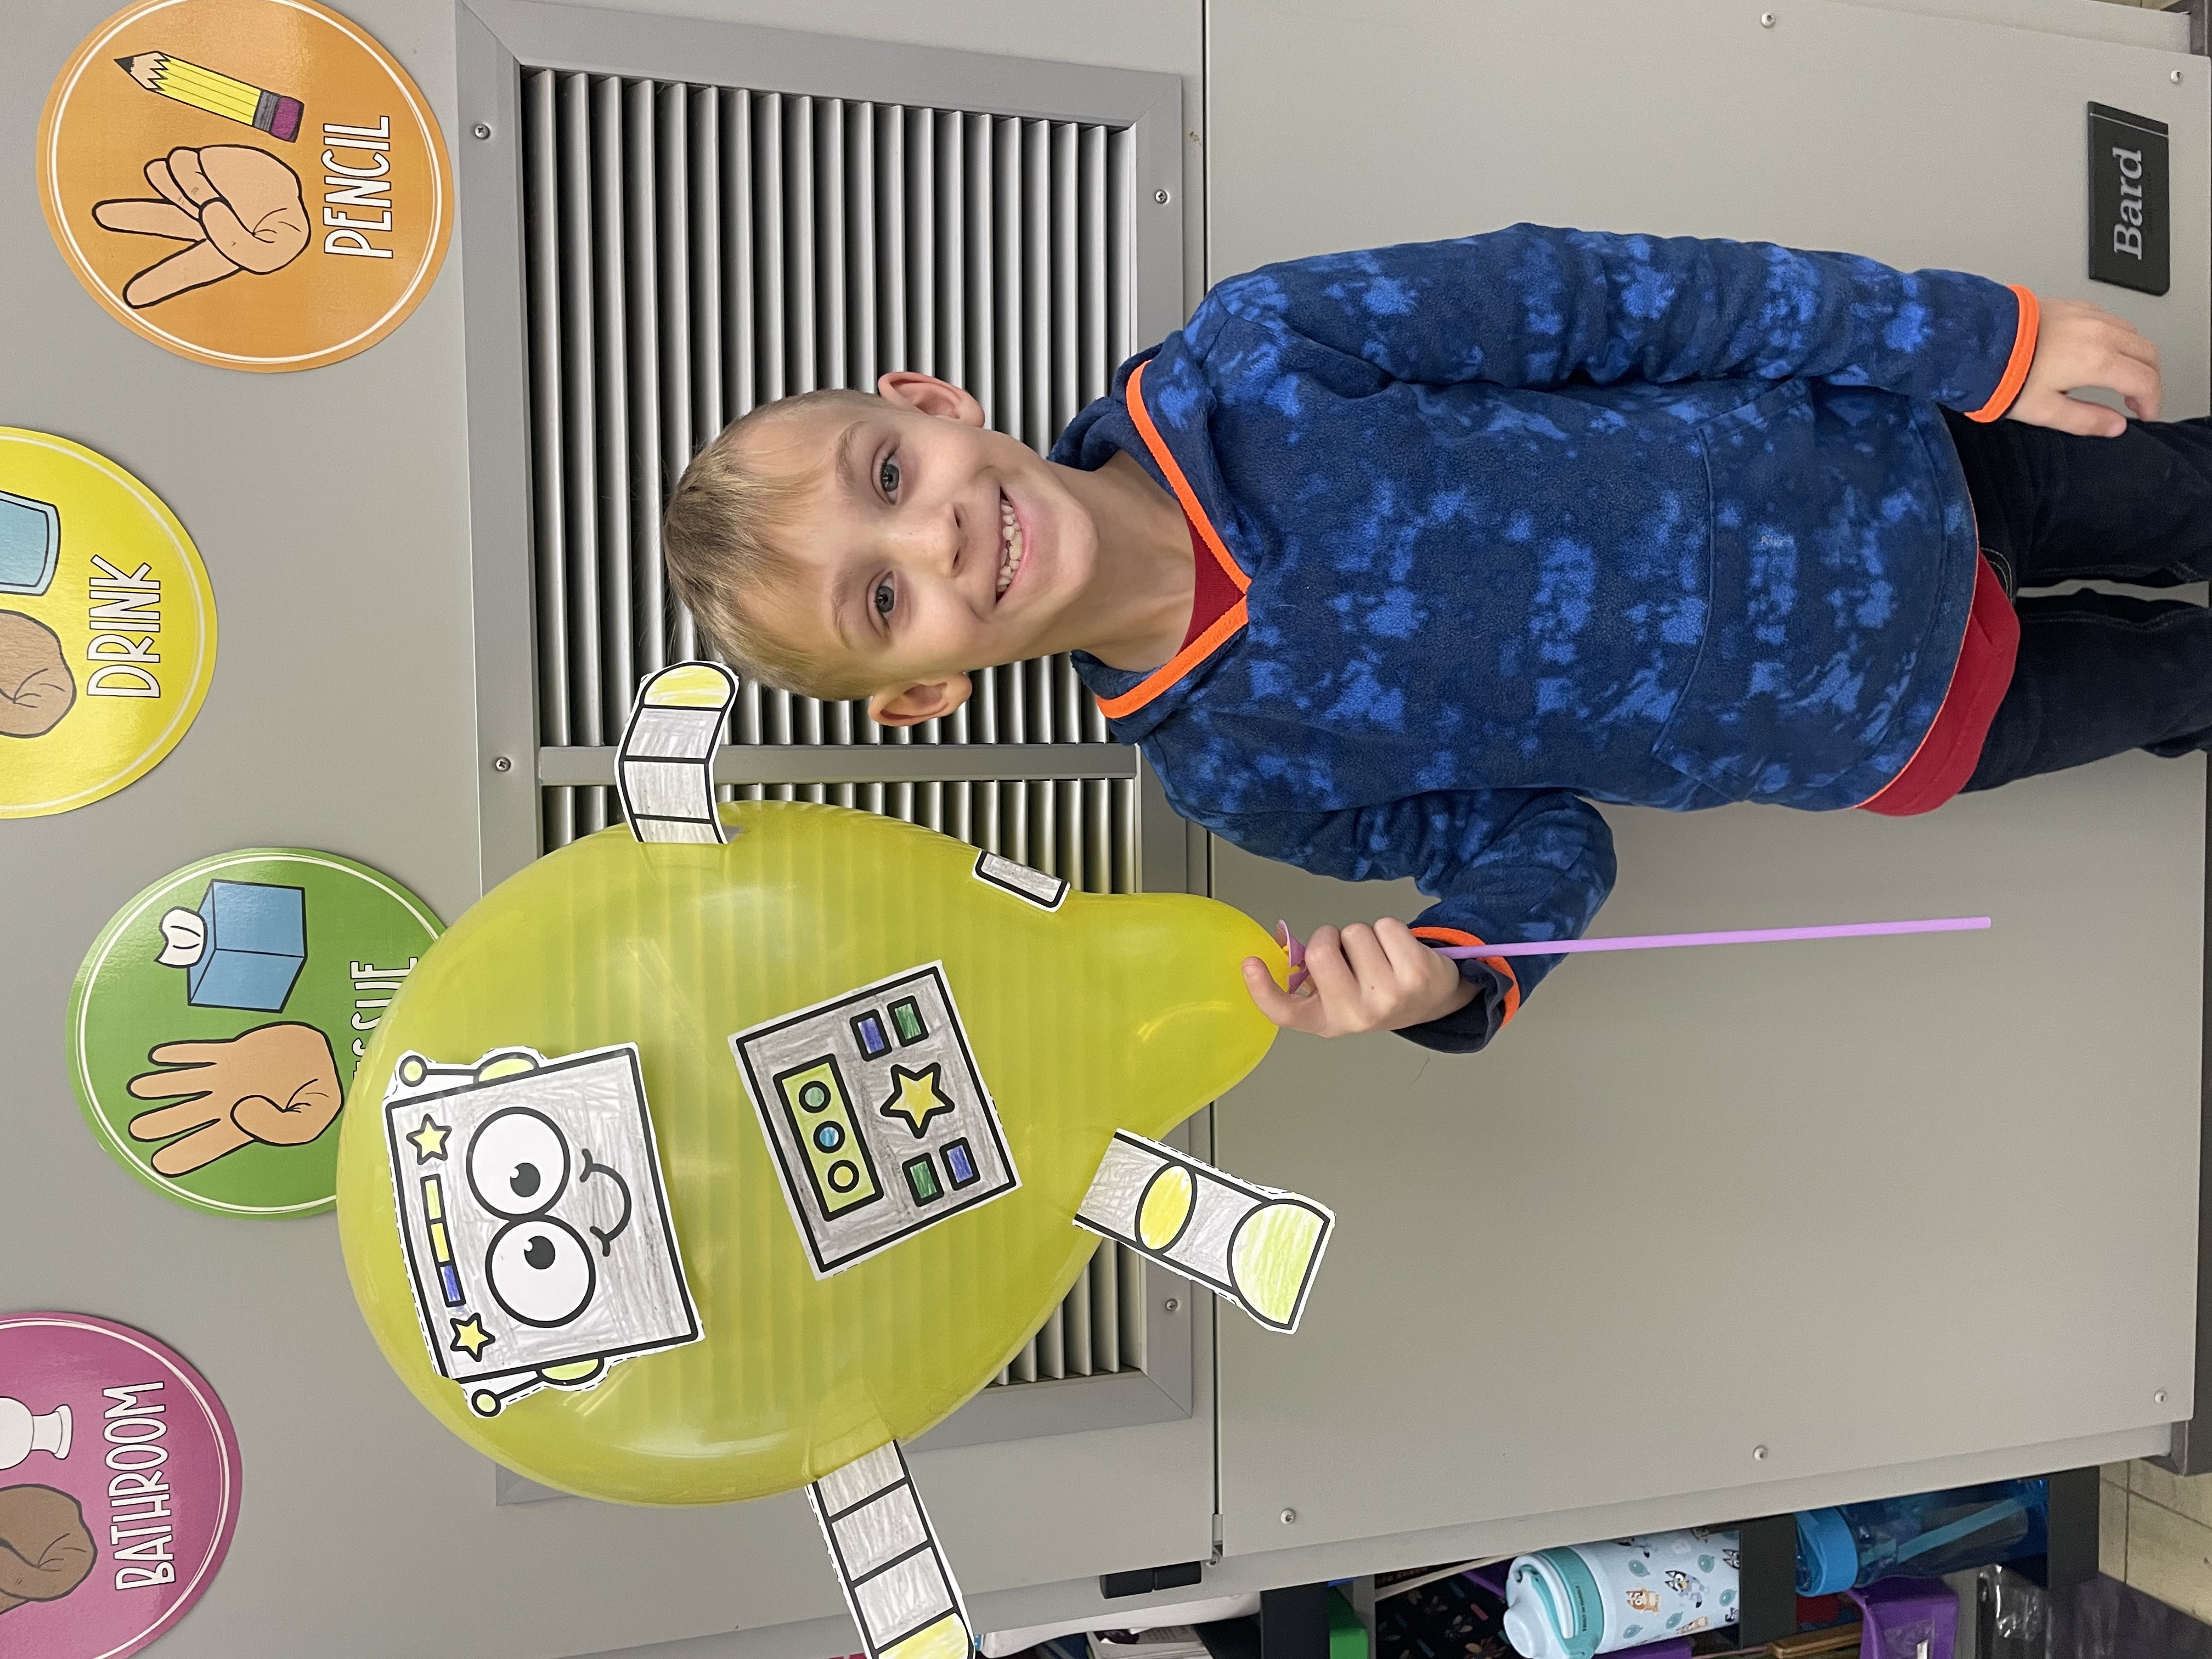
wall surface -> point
(332, 508)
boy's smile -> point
(932, 545)
(1015, 543)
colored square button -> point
(960, 1163)
(868, 1032)
(921, 1179)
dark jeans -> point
(2098, 674)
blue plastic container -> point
(1923, 1536)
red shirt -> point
(1215, 593)
(1939, 768)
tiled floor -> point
(2157, 1534)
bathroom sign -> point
(217, 1020)
(253, 183)
(106, 626)
(2130, 226)
(118, 1486)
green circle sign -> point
(218, 1017)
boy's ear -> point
(928, 395)
(925, 702)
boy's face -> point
(928, 546)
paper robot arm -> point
(666, 765)
(1255, 1245)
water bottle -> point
(1598, 1598)
(1924, 1536)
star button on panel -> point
(471, 1338)
(916, 1097)
(429, 1141)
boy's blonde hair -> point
(720, 537)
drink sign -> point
(107, 628)
(118, 1486)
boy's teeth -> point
(1010, 544)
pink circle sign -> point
(118, 1486)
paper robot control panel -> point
(877, 1116)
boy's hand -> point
(2081, 344)
(1361, 979)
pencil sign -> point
(2131, 228)
(106, 626)
(253, 183)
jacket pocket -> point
(1766, 709)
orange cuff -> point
(2016, 366)
(1503, 964)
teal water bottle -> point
(1923, 1536)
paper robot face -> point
(879, 1120)
(535, 1218)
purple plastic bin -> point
(1907, 1619)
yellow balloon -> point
(1106, 1012)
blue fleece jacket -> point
(1541, 518)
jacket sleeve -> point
(1535, 308)
(1503, 866)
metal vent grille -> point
(692, 251)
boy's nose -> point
(943, 549)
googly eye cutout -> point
(540, 1272)
(518, 1162)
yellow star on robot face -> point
(430, 1141)
(915, 1097)
(471, 1338)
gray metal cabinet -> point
(1733, 1231)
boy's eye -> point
(883, 599)
(887, 476)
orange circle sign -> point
(253, 183)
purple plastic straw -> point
(1742, 936)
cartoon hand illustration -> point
(277, 1085)
(240, 208)
(46, 1550)
(36, 689)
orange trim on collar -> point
(2017, 365)
(1224, 626)
(1503, 964)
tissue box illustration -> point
(243, 948)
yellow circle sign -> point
(106, 626)
(253, 183)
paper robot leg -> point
(888, 1561)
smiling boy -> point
(1393, 562)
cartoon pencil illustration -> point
(217, 93)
